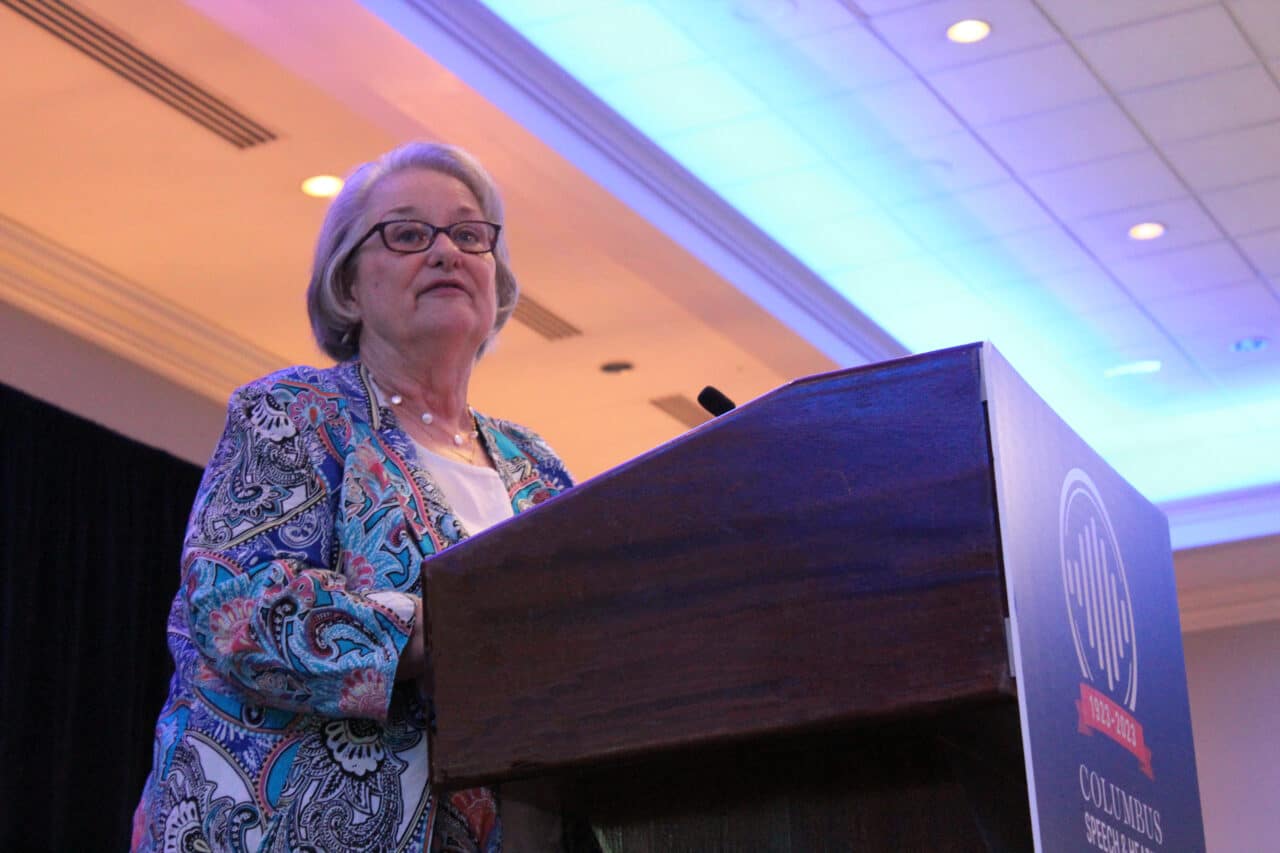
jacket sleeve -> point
(270, 615)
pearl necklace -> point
(428, 419)
(459, 439)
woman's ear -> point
(348, 292)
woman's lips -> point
(444, 285)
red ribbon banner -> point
(1099, 713)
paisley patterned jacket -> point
(284, 729)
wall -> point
(73, 374)
(1234, 678)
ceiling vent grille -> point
(540, 319)
(142, 70)
(683, 409)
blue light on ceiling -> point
(1133, 368)
(1253, 343)
(829, 143)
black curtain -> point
(91, 527)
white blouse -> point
(474, 493)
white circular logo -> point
(1098, 604)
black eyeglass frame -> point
(436, 230)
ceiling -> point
(983, 192)
(957, 192)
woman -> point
(294, 721)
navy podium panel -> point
(1095, 634)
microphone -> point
(714, 401)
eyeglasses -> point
(408, 236)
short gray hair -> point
(334, 320)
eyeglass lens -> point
(413, 236)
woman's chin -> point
(452, 329)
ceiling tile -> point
(741, 150)
(957, 162)
(972, 216)
(1182, 270)
(832, 245)
(586, 44)
(1117, 183)
(920, 33)
(1253, 374)
(1230, 158)
(874, 8)
(1264, 250)
(1177, 382)
(918, 279)
(1064, 137)
(816, 66)
(1077, 17)
(1153, 346)
(929, 326)
(1250, 383)
(1027, 255)
(797, 19)
(543, 11)
(1261, 24)
(1213, 349)
(1084, 290)
(1247, 208)
(722, 29)
(1007, 87)
(1048, 299)
(1165, 49)
(1024, 313)
(841, 128)
(1252, 386)
(909, 110)
(1092, 343)
(1185, 222)
(1205, 105)
(1125, 326)
(678, 99)
(850, 56)
(857, 124)
(926, 168)
(818, 191)
(1242, 309)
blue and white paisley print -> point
(284, 729)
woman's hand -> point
(413, 660)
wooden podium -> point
(784, 630)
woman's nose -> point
(443, 251)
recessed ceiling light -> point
(322, 186)
(1146, 231)
(1131, 368)
(1250, 344)
(968, 31)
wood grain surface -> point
(823, 555)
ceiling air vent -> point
(538, 317)
(683, 409)
(142, 70)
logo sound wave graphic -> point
(1097, 591)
